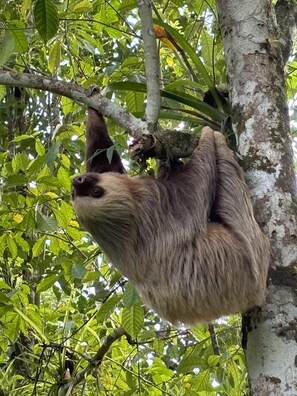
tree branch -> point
(75, 92)
(95, 362)
(152, 67)
(164, 144)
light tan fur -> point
(190, 243)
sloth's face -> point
(96, 196)
(87, 185)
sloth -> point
(187, 240)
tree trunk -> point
(261, 123)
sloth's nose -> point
(82, 185)
(78, 181)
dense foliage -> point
(67, 316)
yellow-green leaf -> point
(54, 57)
(38, 246)
(132, 319)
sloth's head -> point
(105, 206)
(104, 197)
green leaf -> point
(82, 6)
(12, 246)
(132, 319)
(203, 381)
(46, 223)
(39, 147)
(64, 179)
(213, 360)
(12, 327)
(46, 19)
(54, 57)
(6, 47)
(130, 296)
(51, 155)
(135, 101)
(160, 372)
(46, 283)
(38, 246)
(16, 180)
(51, 181)
(179, 97)
(20, 162)
(22, 137)
(2, 91)
(189, 363)
(106, 308)
(78, 271)
(3, 243)
(3, 298)
(61, 217)
(4, 285)
(22, 243)
(19, 37)
(32, 324)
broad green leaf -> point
(31, 323)
(52, 153)
(12, 246)
(130, 296)
(12, 327)
(46, 283)
(92, 275)
(82, 6)
(132, 319)
(54, 57)
(19, 37)
(160, 372)
(46, 19)
(38, 247)
(202, 381)
(207, 44)
(22, 137)
(16, 180)
(25, 7)
(22, 243)
(135, 101)
(61, 217)
(3, 243)
(78, 271)
(67, 105)
(51, 181)
(3, 298)
(2, 91)
(235, 373)
(46, 223)
(109, 153)
(4, 285)
(39, 147)
(213, 360)
(55, 244)
(64, 179)
(189, 363)
(6, 47)
(106, 308)
(20, 162)
(180, 97)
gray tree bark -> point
(261, 123)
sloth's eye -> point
(97, 192)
